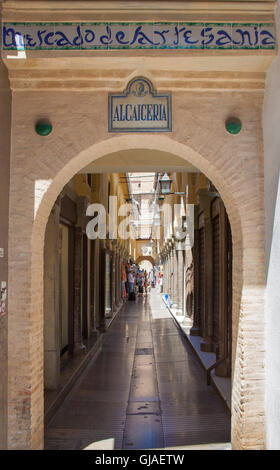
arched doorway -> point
(45, 191)
(149, 259)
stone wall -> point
(233, 163)
(207, 87)
(271, 116)
(5, 118)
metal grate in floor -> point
(142, 351)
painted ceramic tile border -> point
(156, 35)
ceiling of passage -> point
(138, 160)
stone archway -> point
(145, 258)
(26, 409)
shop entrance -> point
(176, 273)
(197, 100)
(115, 154)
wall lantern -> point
(165, 184)
(211, 189)
(233, 125)
(43, 127)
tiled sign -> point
(140, 109)
(56, 36)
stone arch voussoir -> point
(145, 258)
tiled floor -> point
(145, 390)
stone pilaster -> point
(169, 279)
(205, 205)
(117, 300)
(78, 288)
(79, 302)
(165, 274)
(102, 289)
(51, 302)
(175, 277)
(196, 328)
(223, 369)
(180, 279)
(114, 281)
(93, 292)
(96, 284)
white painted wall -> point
(271, 130)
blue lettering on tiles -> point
(207, 33)
(78, 40)
(224, 39)
(139, 112)
(245, 38)
(30, 43)
(162, 37)
(40, 35)
(89, 36)
(130, 35)
(141, 38)
(49, 37)
(188, 36)
(120, 36)
(12, 38)
(62, 40)
(267, 38)
(178, 30)
(106, 39)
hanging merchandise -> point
(124, 280)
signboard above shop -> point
(111, 36)
(140, 109)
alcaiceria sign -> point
(140, 109)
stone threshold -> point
(221, 384)
(108, 444)
(216, 446)
(72, 368)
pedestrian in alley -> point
(131, 282)
(141, 282)
(160, 282)
(146, 283)
(136, 288)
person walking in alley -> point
(141, 282)
(131, 282)
(146, 282)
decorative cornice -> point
(29, 78)
(135, 10)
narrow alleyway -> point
(145, 390)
